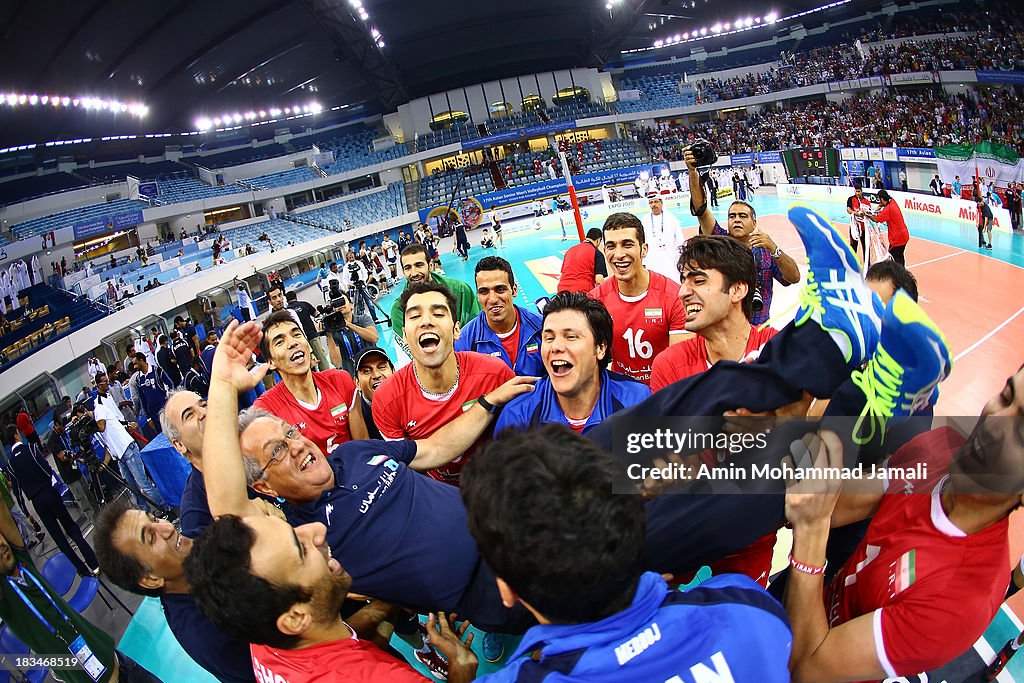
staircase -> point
(412, 195)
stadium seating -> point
(359, 211)
(55, 314)
(64, 219)
(176, 190)
(437, 189)
(238, 156)
(149, 170)
(352, 147)
(280, 179)
(19, 190)
(457, 132)
(280, 232)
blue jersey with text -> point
(402, 536)
(726, 629)
(478, 336)
(541, 405)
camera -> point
(80, 430)
(704, 152)
(334, 320)
(353, 272)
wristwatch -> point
(777, 253)
(487, 405)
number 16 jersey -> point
(641, 325)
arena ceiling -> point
(188, 58)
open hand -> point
(233, 355)
(451, 641)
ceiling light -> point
(717, 28)
(726, 26)
(748, 22)
(771, 18)
(703, 31)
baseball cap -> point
(368, 351)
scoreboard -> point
(811, 161)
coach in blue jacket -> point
(502, 329)
(578, 391)
(545, 494)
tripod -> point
(359, 296)
(97, 467)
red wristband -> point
(806, 568)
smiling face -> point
(300, 472)
(625, 253)
(430, 331)
(741, 220)
(993, 456)
(415, 267)
(289, 349)
(154, 543)
(706, 298)
(496, 298)
(372, 371)
(286, 555)
(569, 353)
(186, 411)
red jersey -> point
(579, 267)
(892, 216)
(325, 424)
(690, 357)
(343, 661)
(932, 590)
(642, 325)
(401, 410)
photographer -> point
(122, 447)
(62, 450)
(31, 475)
(348, 332)
(772, 264)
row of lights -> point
(729, 27)
(357, 7)
(87, 103)
(204, 123)
(56, 143)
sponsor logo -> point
(926, 207)
(638, 643)
(327, 513)
(970, 214)
(410, 424)
(384, 482)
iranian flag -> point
(990, 162)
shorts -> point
(497, 228)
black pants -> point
(54, 516)
(898, 255)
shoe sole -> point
(909, 312)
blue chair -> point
(11, 645)
(60, 574)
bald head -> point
(183, 419)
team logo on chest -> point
(653, 315)
(338, 412)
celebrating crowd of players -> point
(475, 483)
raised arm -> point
(698, 201)
(222, 455)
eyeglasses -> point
(280, 450)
